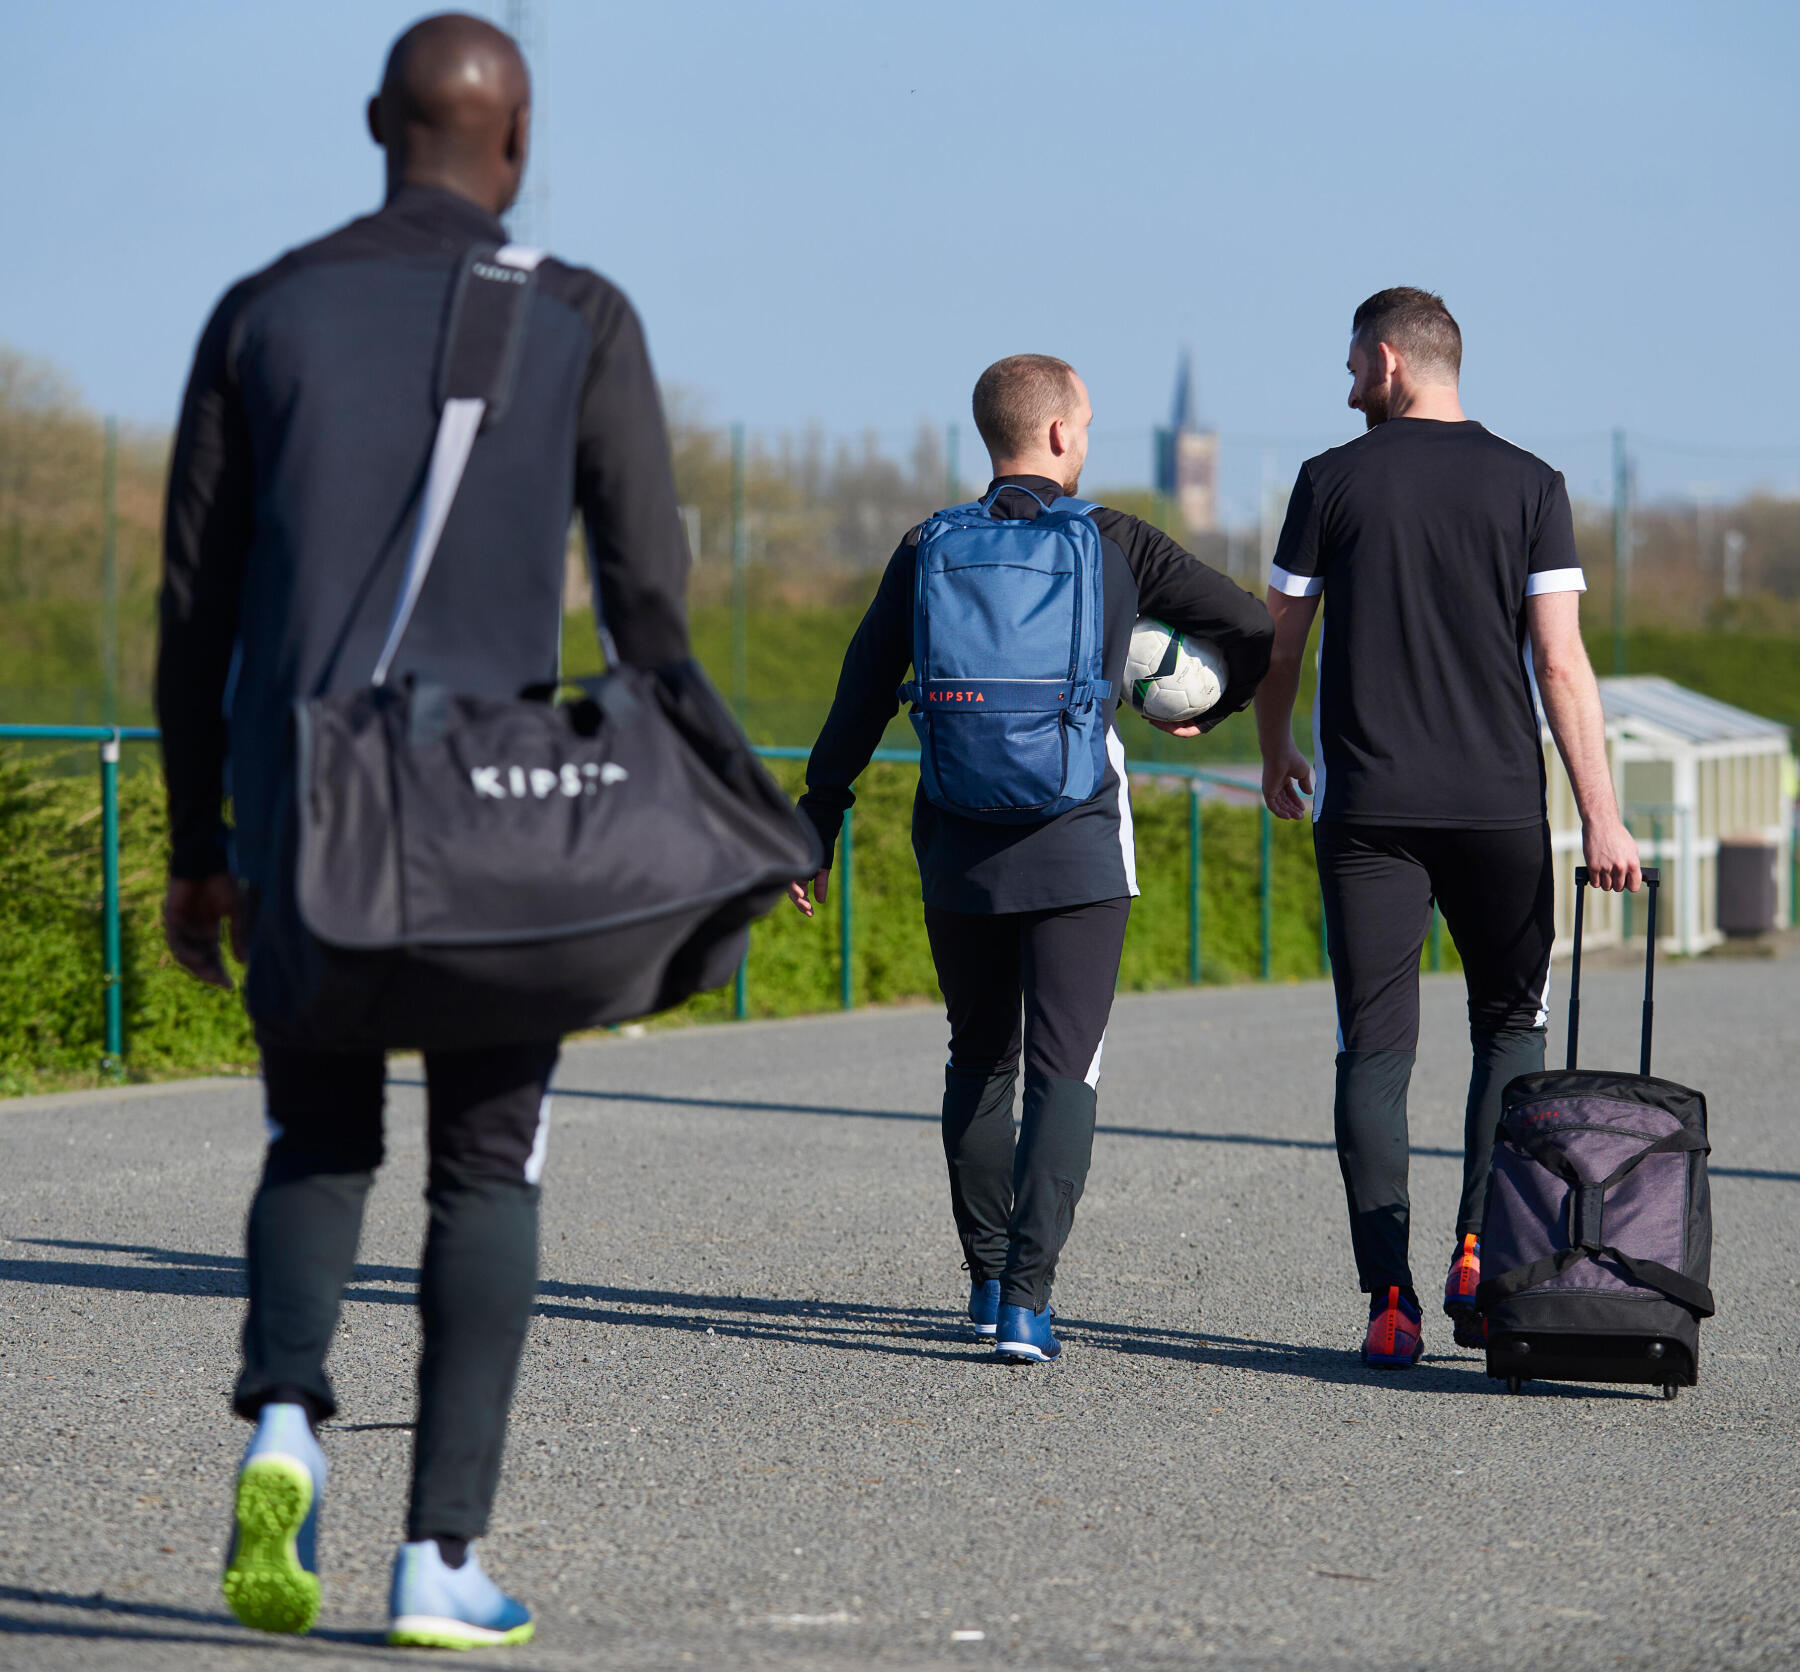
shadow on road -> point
(845, 1326)
(1248, 1140)
(97, 1602)
(832, 1111)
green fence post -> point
(112, 956)
(740, 582)
(1437, 949)
(1194, 883)
(846, 935)
(1267, 890)
(740, 989)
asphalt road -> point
(751, 1432)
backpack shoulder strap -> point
(478, 361)
(1077, 507)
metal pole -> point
(740, 989)
(952, 445)
(1621, 548)
(1437, 952)
(1656, 860)
(1193, 885)
(109, 571)
(1267, 902)
(740, 579)
(112, 956)
(846, 936)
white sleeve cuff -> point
(1555, 580)
(1305, 586)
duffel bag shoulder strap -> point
(1651, 1273)
(484, 334)
(1654, 1275)
(1538, 1146)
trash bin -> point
(1747, 886)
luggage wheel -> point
(1671, 1389)
(1514, 1383)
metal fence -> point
(110, 740)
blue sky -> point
(839, 212)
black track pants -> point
(485, 1133)
(1495, 890)
(1038, 985)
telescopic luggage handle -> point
(1652, 877)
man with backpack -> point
(299, 475)
(1446, 561)
(1015, 613)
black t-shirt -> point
(1426, 538)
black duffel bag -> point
(461, 871)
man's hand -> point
(1179, 728)
(1612, 856)
(193, 909)
(1280, 774)
(797, 893)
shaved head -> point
(454, 110)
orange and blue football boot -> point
(1470, 1328)
(1396, 1335)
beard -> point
(1375, 407)
(1072, 481)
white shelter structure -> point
(1688, 770)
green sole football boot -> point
(271, 1580)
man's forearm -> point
(1275, 705)
(1578, 723)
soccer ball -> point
(1169, 675)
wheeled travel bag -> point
(459, 871)
(1598, 1225)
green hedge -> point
(52, 1018)
(51, 1013)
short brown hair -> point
(1016, 398)
(1416, 324)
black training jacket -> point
(1085, 854)
(303, 443)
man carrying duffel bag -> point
(1598, 1224)
(383, 440)
(1015, 612)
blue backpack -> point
(1007, 690)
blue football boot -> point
(984, 1305)
(1022, 1336)
(435, 1606)
(271, 1579)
